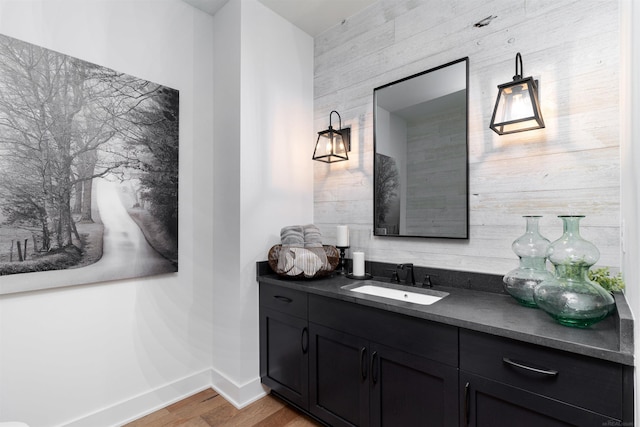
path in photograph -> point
(125, 249)
(126, 252)
(65, 126)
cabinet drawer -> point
(285, 300)
(579, 380)
(421, 337)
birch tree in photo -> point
(25, 179)
(386, 185)
(159, 163)
(151, 136)
(65, 122)
(52, 123)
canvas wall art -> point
(88, 171)
(387, 197)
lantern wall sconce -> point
(517, 108)
(332, 145)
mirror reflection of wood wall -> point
(420, 126)
(436, 153)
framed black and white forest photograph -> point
(387, 196)
(88, 172)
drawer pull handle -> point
(363, 363)
(518, 364)
(466, 404)
(374, 367)
(305, 340)
(283, 299)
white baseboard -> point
(158, 398)
(239, 395)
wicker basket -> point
(333, 258)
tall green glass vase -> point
(569, 296)
(531, 248)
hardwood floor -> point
(208, 408)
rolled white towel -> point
(287, 262)
(305, 261)
(292, 235)
(312, 236)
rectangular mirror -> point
(420, 154)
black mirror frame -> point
(375, 213)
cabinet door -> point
(571, 378)
(339, 377)
(408, 390)
(488, 403)
(284, 356)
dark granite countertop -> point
(495, 313)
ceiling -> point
(312, 16)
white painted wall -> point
(630, 157)
(100, 354)
(105, 353)
(394, 128)
(571, 166)
(262, 172)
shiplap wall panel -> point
(436, 190)
(570, 167)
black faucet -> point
(394, 275)
(409, 278)
(427, 281)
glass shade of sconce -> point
(517, 108)
(332, 145)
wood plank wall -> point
(437, 186)
(570, 167)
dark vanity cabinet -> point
(356, 382)
(411, 390)
(370, 367)
(339, 377)
(502, 380)
(351, 364)
(284, 343)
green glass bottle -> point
(531, 248)
(569, 296)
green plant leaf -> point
(602, 276)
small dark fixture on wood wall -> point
(484, 22)
(517, 108)
(332, 145)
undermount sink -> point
(397, 292)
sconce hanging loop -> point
(332, 145)
(518, 75)
(517, 108)
(339, 119)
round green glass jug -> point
(531, 248)
(569, 296)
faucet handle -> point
(394, 275)
(426, 282)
